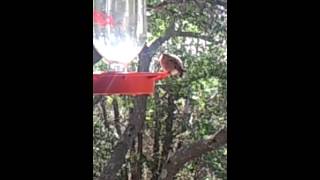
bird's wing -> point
(177, 63)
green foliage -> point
(102, 145)
(200, 96)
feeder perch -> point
(131, 83)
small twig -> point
(164, 4)
(193, 35)
(96, 100)
(116, 116)
(104, 113)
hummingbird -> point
(172, 64)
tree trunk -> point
(140, 155)
(134, 126)
(137, 173)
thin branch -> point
(167, 148)
(200, 5)
(223, 3)
(194, 35)
(135, 125)
(147, 52)
(186, 114)
(116, 116)
(200, 170)
(170, 32)
(104, 113)
(145, 56)
(96, 100)
(156, 143)
(191, 152)
(163, 4)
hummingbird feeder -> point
(119, 34)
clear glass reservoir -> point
(119, 30)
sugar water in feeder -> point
(119, 30)
(119, 34)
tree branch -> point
(136, 121)
(116, 115)
(104, 113)
(156, 143)
(163, 4)
(200, 169)
(223, 3)
(135, 125)
(96, 56)
(146, 54)
(170, 31)
(96, 100)
(188, 153)
(194, 35)
(167, 148)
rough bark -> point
(134, 161)
(140, 155)
(138, 160)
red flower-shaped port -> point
(102, 19)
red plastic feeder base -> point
(132, 83)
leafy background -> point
(199, 106)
